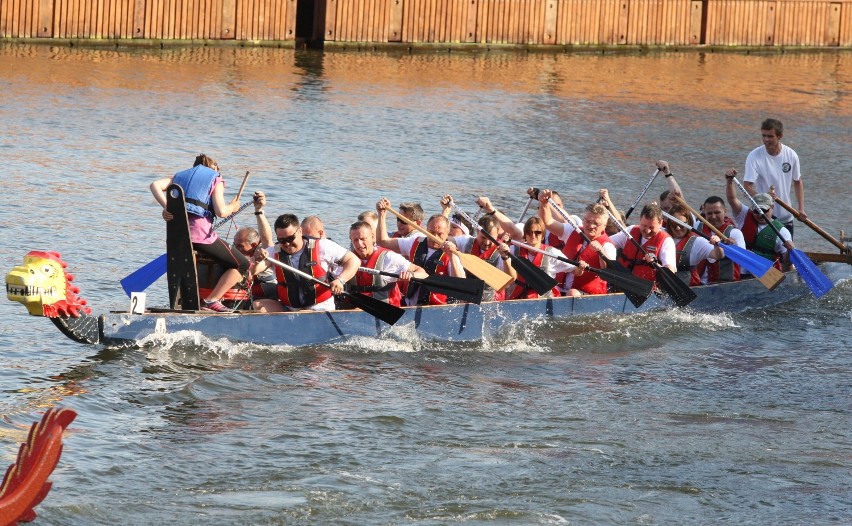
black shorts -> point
(224, 255)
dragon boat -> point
(46, 289)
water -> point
(670, 417)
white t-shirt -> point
(668, 252)
(701, 249)
(780, 171)
(394, 263)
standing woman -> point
(204, 190)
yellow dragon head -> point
(44, 287)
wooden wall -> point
(519, 22)
(151, 19)
(768, 23)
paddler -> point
(497, 255)
(691, 249)
(254, 243)
(314, 257)
(585, 243)
(533, 234)
(758, 238)
(384, 288)
(657, 244)
(725, 269)
(433, 257)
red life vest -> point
(375, 285)
(308, 263)
(723, 269)
(521, 289)
(476, 250)
(554, 241)
(588, 282)
(490, 256)
(634, 259)
(686, 272)
(761, 242)
(438, 263)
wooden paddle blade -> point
(757, 265)
(464, 289)
(386, 312)
(145, 276)
(821, 257)
(676, 289)
(539, 280)
(814, 278)
(491, 275)
(636, 289)
(772, 278)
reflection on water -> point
(720, 81)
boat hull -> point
(452, 323)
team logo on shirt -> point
(786, 167)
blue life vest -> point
(196, 183)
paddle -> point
(493, 276)
(463, 289)
(613, 264)
(535, 278)
(843, 248)
(386, 312)
(759, 266)
(146, 275)
(641, 195)
(814, 278)
(822, 257)
(677, 290)
(524, 211)
(626, 282)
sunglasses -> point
(536, 232)
(287, 240)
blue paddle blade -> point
(813, 276)
(145, 276)
(757, 265)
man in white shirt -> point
(775, 165)
(435, 257)
(381, 287)
(312, 256)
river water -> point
(671, 417)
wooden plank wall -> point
(150, 19)
(519, 22)
(771, 22)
